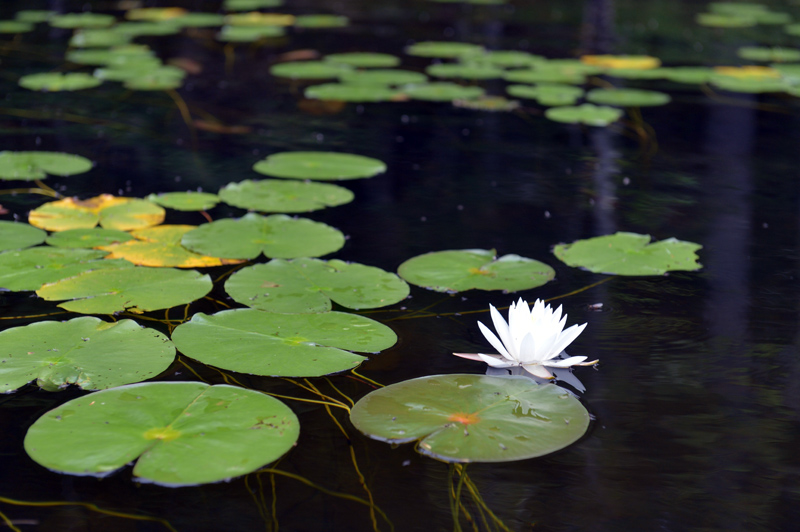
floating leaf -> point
(99, 38)
(538, 75)
(308, 70)
(382, 77)
(587, 113)
(256, 18)
(117, 56)
(198, 20)
(249, 33)
(87, 238)
(696, 75)
(142, 29)
(718, 20)
(275, 195)
(82, 20)
(32, 165)
(161, 247)
(183, 433)
(309, 285)
(473, 418)
(138, 70)
(321, 21)
(443, 50)
(547, 94)
(31, 268)
(34, 15)
(131, 214)
(288, 345)
(775, 54)
(364, 59)
(112, 212)
(87, 352)
(627, 97)
(14, 235)
(351, 93)
(185, 201)
(464, 71)
(56, 81)
(159, 79)
(488, 103)
(132, 289)
(248, 5)
(629, 254)
(442, 91)
(15, 26)
(633, 62)
(319, 165)
(458, 270)
(154, 13)
(277, 236)
(507, 58)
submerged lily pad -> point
(277, 195)
(182, 433)
(587, 113)
(32, 165)
(309, 285)
(627, 97)
(289, 345)
(443, 49)
(87, 352)
(473, 418)
(629, 254)
(351, 93)
(133, 289)
(15, 235)
(276, 236)
(31, 268)
(319, 165)
(442, 91)
(458, 270)
(56, 81)
(185, 201)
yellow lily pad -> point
(632, 62)
(111, 212)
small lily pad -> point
(287, 345)
(627, 97)
(182, 433)
(629, 254)
(277, 236)
(87, 238)
(587, 113)
(15, 26)
(319, 165)
(29, 269)
(87, 352)
(547, 94)
(720, 20)
(351, 93)
(364, 59)
(185, 201)
(321, 21)
(116, 56)
(382, 77)
(277, 195)
(308, 70)
(443, 49)
(769, 54)
(142, 29)
(488, 103)
(57, 82)
(695, 75)
(508, 58)
(32, 165)
(249, 5)
(158, 79)
(34, 16)
(473, 418)
(458, 270)
(309, 285)
(15, 235)
(442, 91)
(133, 289)
(198, 20)
(540, 75)
(82, 20)
(99, 38)
(464, 71)
(249, 33)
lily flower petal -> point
(503, 330)
(496, 361)
(538, 370)
(496, 343)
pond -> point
(694, 404)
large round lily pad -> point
(15, 235)
(290, 345)
(319, 165)
(86, 352)
(309, 285)
(134, 289)
(473, 418)
(629, 254)
(29, 269)
(275, 195)
(458, 270)
(276, 236)
(31, 165)
(182, 433)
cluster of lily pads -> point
(110, 255)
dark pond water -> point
(696, 398)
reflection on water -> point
(697, 397)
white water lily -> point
(533, 338)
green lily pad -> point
(488, 103)
(15, 26)
(34, 15)
(442, 91)
(142, 29)
(443, 49)
(540, 75)
(508, 58)
(792, 29)
(769, 54)
(249, 5)
(287, 345)
(720, 20)
(276, 195)
(154, 72)
(182, 433)
(197, 20)
(57, 82)
(382, 77)
(364, 59)
(696, 75)
(319, 165)
(185, 201)
(737, 8)
(133, 214)
(587, 113)
(321, 21)
(629, 254)
(249, 33)
(132, 289)
(87, 352)
(308, 70)
(749, 85)
(635, 73)
(99, 38)
(116, 56)
(458, 270)
(87, 238)
(627, 97)
(164, 78)
(82, 20)
(473, 418)
(547, 94)
(15, 235)
(351, 93)
(32, 165)
(465, 71)
(276, 236)
(31, 268)
(309, 285)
